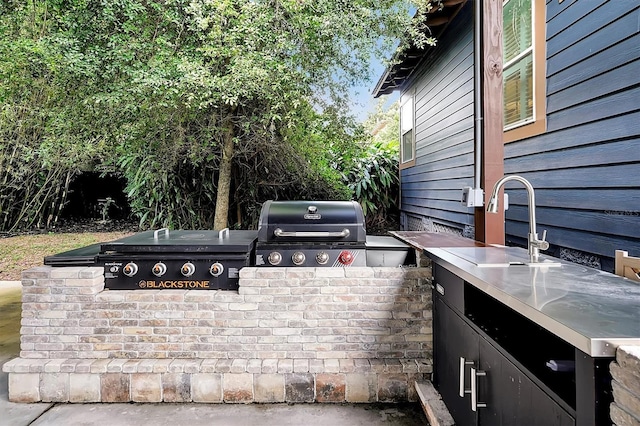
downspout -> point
(477, 81)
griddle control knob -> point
(322, 258)
(298, 258)
(130, 269)
(346, 257)
(216, 269)
(159, 269)
(274, 258)
(188, 269)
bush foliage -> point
(187, 98)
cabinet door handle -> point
(462, 390)
(474, 389)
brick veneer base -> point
(214, 381)
(287, 335)
(625, 373)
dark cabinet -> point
(456, 345)
(510, 397)
(479, 381)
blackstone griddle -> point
(164, 259)
(186, 260)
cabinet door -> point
(453, 339)
(511, 398)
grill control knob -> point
(130, 269)
(274, 258)
(188, 269)
(346, 257)
(322, 258)
(216, 269)
(159, 269)
(298, 258)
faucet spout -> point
(534, 244)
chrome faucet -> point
(534, 244)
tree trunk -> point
(224, 176)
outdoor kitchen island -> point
(324, 314)
(526, 344)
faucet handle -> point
(542, 243)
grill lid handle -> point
(312, 234)
(156, 234)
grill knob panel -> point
(216, 269)
(159, 269)
(322, 258)
(274, 258)
(130, 269)
(298, 258)
(346, 257)
(188, 269)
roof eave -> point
(404, 65)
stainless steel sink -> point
(500, 257)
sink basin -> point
(500, 257)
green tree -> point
(383, 125)
(172, 92)
(39, 156)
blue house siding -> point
(586, 167)
(431, 189)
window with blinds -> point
(518, 61)
(407, 140)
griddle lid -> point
(83, 256)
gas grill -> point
(189, 260)
(311, 233)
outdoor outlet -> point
(472, 197)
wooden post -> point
(489, 227)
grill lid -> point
(304, 221)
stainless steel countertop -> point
(595, 311)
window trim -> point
(538, 124)
(411, 162)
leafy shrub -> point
(374, 182)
